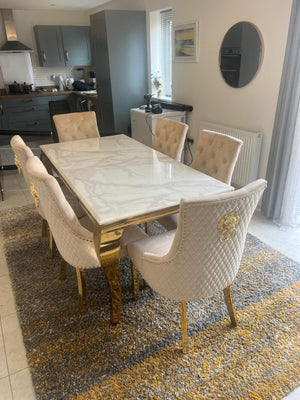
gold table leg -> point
(148, 228)
(63, 269)
(44, 227)
(81, 290)
(184, 327)
(107, 247)
(135, 280)
(51, 245)
(230, 305)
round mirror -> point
(240, 54)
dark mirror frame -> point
(241, 54)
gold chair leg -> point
(230, 305)
(184, 327)
(44, 227)
(148, 228)
(81, 290)
(51, 246)
(135, 280)
(62, 272)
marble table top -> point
(117, 178)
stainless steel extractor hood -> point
(12, 45)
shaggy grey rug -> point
(73, 356)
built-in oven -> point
(230, 64)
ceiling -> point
(51, 4)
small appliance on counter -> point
(82, 86)
(92, 80)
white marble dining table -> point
(121, 182)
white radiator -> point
(246, 168)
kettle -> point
(61, 83)
(69, 83)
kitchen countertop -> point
(91, 93)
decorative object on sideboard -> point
(157, 83)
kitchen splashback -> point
(42, 75)
(16, 67)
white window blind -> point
(166, 48)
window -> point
(161, 49)
(166, 48)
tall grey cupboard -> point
(119, 47)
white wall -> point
(25, 21)
(138, 5)
(201, 84)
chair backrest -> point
(216, 155)
(22, 154)
(169, 137)
(207, 248)
(57, 107)
(76, 126)
(70, 236)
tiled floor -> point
(15, 380)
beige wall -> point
(201, 85)
(25, 20)
(148, 5)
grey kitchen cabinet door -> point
(49, 45)
(76, 43)
(3, 121)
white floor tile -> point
(3, 362)
(7, 301)
(295, 395)
(14, 346)
(5, 390)
(285, 241)
(21, 385)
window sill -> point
(161, 98)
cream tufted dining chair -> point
(169, 137)
(75, 243)
(76, 126)
(216, 156)
(203, 255)
(22, 154)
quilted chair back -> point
(207, 248)
(76, 126)
(74, 242)
(216, 155)
(22, 153)
(169, 137)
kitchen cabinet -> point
(77, 47)
(23, 114)
(63, 45)
(119, 43)
(3, 122)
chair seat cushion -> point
(169, 222)
(158, 245)
(130, 235)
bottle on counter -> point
(61, 83)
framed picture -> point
(185, 42)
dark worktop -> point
(48, 93)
